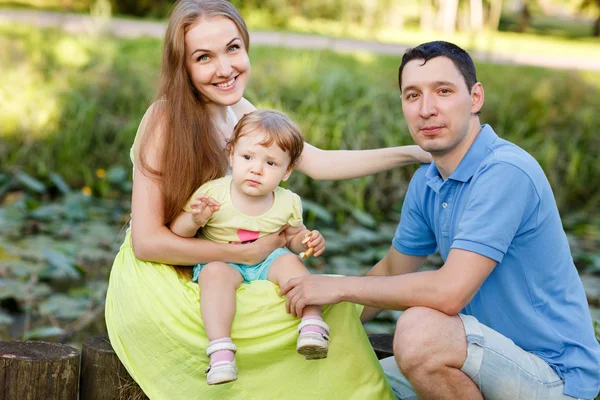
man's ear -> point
(477, 98)
(288, 172)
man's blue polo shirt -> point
(498, 203)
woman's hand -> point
(257, 251)
(420, 155)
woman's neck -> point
(252, 206)
(219, 114)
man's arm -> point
(394, 263)
(448, 289)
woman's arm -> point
(346, 164)
(153, 241)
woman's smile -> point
(228, 85)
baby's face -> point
(256, 169)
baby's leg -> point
(314, 332)
(289, 266)
(218, 282)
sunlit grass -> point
(504, 43)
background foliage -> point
(70, 114)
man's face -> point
(437, 104)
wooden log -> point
(38, 370)
(383, 344)
(103, 377)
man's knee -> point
(418, 338)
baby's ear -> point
(288, 172)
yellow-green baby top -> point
(230, 225)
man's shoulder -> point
(421, 173)
(510, 155)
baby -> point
(240, 208)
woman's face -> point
(216, 60)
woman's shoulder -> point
(242, 108)
(153, 119)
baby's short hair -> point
(276, 126)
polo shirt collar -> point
(470, 162)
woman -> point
(152, 311)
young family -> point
(208, 296)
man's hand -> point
(311, 290)
(203, 208)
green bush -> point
(72, 107)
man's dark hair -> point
(426, 51)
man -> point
(506, 316)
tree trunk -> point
(525, 18)
(476, 21)
(494, 15)
(426, 20)
(103, 377)
(597, 27)
(370, 14)
(38, 371)
(447, 16)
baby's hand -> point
(314, 243)
(203, 208)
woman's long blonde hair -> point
(191, 152)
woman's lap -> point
(155, 327)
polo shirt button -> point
(444, 205)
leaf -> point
(5, 319)
(62, 266)
(116, 174)
(364, 218)
(5, 187)
(30, 183)
(60, 183)
(61, 306)
(319, 211)
(21, 268)
(344, 265)
(19, 290)
(76, 207)
(43, 332)
(361, 236)
(48, 212)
